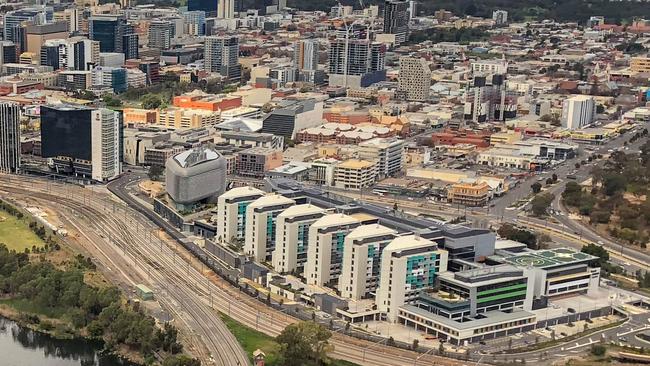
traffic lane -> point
(562, 170)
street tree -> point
(155, 171)
(304, 343)
(541, 203)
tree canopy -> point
(304, 344)
(151, 101)
(540, 204)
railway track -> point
(223, 348)
(187, 286)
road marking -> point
(633, 331)
(581, 345)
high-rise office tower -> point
(305, 54)
(14, 19)
(160, 34)
(208, 6)
(363, 66)
(9, 138)
(413, 9)
(8, 52)
(82, 141)
(396, 19)
(194, 22)
(108, 30)
(226, 9)
(130, 46)
(414, 78)
(72, 17)
(221, 56)
(110, 77)
(36, 35)
(76, 53)
(488, 98)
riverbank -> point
(60, 330)
(20, 345)
(59, 292)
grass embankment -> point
(16, 234)
(251, 340)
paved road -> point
(632, 257)
(624, 334)
(175, 274)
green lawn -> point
(26, 306)
(251, 340)
(16, 234)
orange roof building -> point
(207, 102)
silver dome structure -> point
(198, 174)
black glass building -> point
(208, 6)
(66, 132)
(108, 30)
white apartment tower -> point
(362, 257)
(305, 54)
(409, 264)
(414, 78)
(578, 111)
(261, 215)
(9, 138)
(500, 17)
(231, 213)
(325, 250)
(292, 237)
(226, 9)
(105, 137)
(221, 55)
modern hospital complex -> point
(456, 283)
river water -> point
(21, 346)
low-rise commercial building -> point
(256, 161)
(208, 102)
(252, 139)
(187, 118)
(135, 116)
(469, 194)
(388, 153)
(355, 174)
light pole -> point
(363, 357)
(422, 355)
